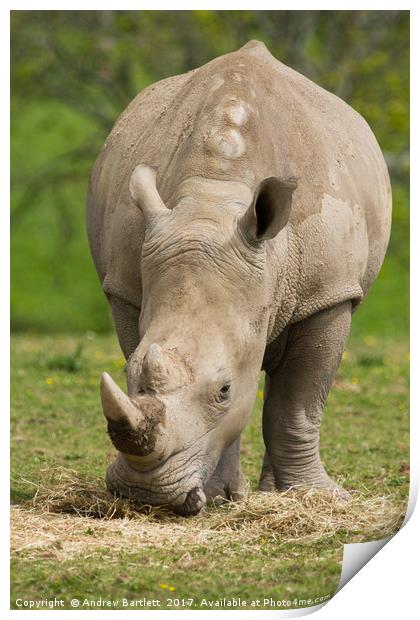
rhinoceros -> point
(237, 216)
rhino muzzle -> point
(135, 425)
(184, 494)
(194, 502)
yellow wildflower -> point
(370, 340)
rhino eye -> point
(224, 392)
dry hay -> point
(41, 534)
(71, 514)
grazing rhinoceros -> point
(237, 216)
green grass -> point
(57, 421)
(230, 572)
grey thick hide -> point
(241, 118)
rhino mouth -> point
(193, 504)
(185, 497)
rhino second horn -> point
(157, 368)
(116, 405)
(155, 360)
(144, 192)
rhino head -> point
(208, 292)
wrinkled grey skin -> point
(237, 215)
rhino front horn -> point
(135, 428)
(117, 406)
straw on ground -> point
(72, 514)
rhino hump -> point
(238, 119)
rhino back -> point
(243, 117)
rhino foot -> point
(227, 482)
(327, 485)
(319, 480)
(219, 490)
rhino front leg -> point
(297, 391)
(227, 481)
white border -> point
(387, 585)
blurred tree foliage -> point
(73, 72)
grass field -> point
(274, 546)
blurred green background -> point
(73, 72)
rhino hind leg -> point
(126, 321)
(266, 482)
(294, 401)
(227, 481)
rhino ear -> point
(270, 209)
(144, 192)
